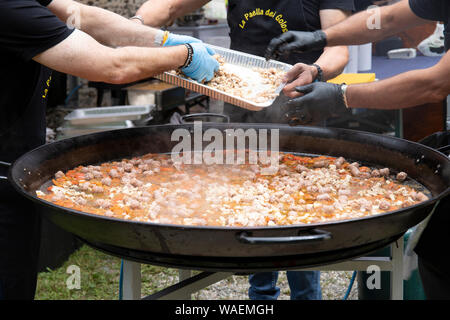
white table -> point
(189, 284)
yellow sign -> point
(353, 78)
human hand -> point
(203, 64)
(177, 39)
(295, 41)
(299, 75)
(320, 100)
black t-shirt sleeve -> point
(28, 28)
(429, 9)
(346, 5)
(44, 2)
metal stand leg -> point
(131, 280)
(397, 270)
(193, 284)
(184, 275)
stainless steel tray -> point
(68, 130)
(235, 58)
(88, 116)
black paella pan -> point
(231, 248)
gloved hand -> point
(177, 39)
(203, 64)
(295, 41)
(320, 100)
(299, 75)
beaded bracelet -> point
(319, 72)
(189, 56)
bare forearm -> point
(333, 61)
(105, 26)
(133, 63)
(158, 13)
(373, 25)
(405, 90)
(114, 30)
(80, 55)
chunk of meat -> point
(401, 176)
(136, 182)
(97, 174)
(134, 204)
(103, 203)
(420, 196)
(323, 197)
(59, 174)
(88, 176)
(328, 209)
(384, 172)
(384, 205)
(109, 213)
(344, 192)
(339, 162)
(320, 164)
(97, 189)
(113, 173)
(81, 201)
(354, 170)
(375, 173)
(301, 168)
(128, 167)
(106, 181)
(85, 186)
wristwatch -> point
(344, 93)
(138, 17)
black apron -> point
(252, 25)
(26, 129)
(19, 222)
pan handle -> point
(315, 235)
(445, 150)
(6, 164)
(191, 117)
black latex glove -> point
(320, 100)
(295, 41)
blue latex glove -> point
(177, 39)
(203, 64)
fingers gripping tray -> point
(235, 61)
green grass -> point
(99, 278)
